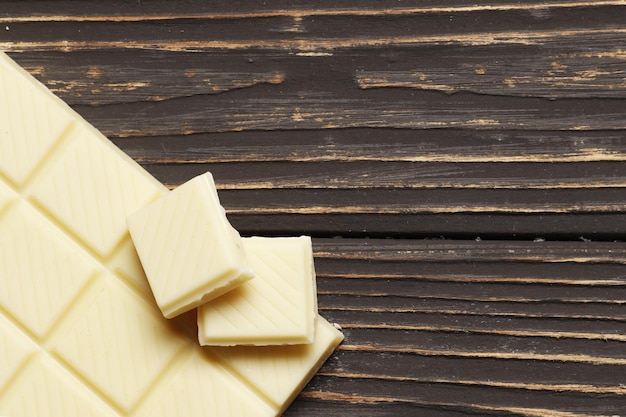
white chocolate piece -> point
(80, 333)
(38, 132)
(189, 250)
(277, 307)
(280, 372)
(44, 389)
(67, 269)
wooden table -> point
(459, 165)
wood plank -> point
(286, 105)
(417, 201)
(36, 10)
(413, 212)
(396, 175)
(181, 36)
(467, 331)
(557, 226)
(362, 144)
(499, 400)
(543, 252)
(467, 168)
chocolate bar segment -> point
(80, 335)
(277, 307)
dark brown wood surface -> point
(460, 165)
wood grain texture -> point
(457, 327)
(461, 167)
(498, 120)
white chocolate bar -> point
(80, 333)
(275, 370)
(277, 307)
(189, 251)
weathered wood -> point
(409, 201)
(280, 20)
(481, 335)
(569, 77)
(141, 84)
(356, 145)
(424, 119)
(503, 171)
(396, 175)
(570, 226)
(34, 10)
(228, 114)
(419, 213)
(331, 98)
